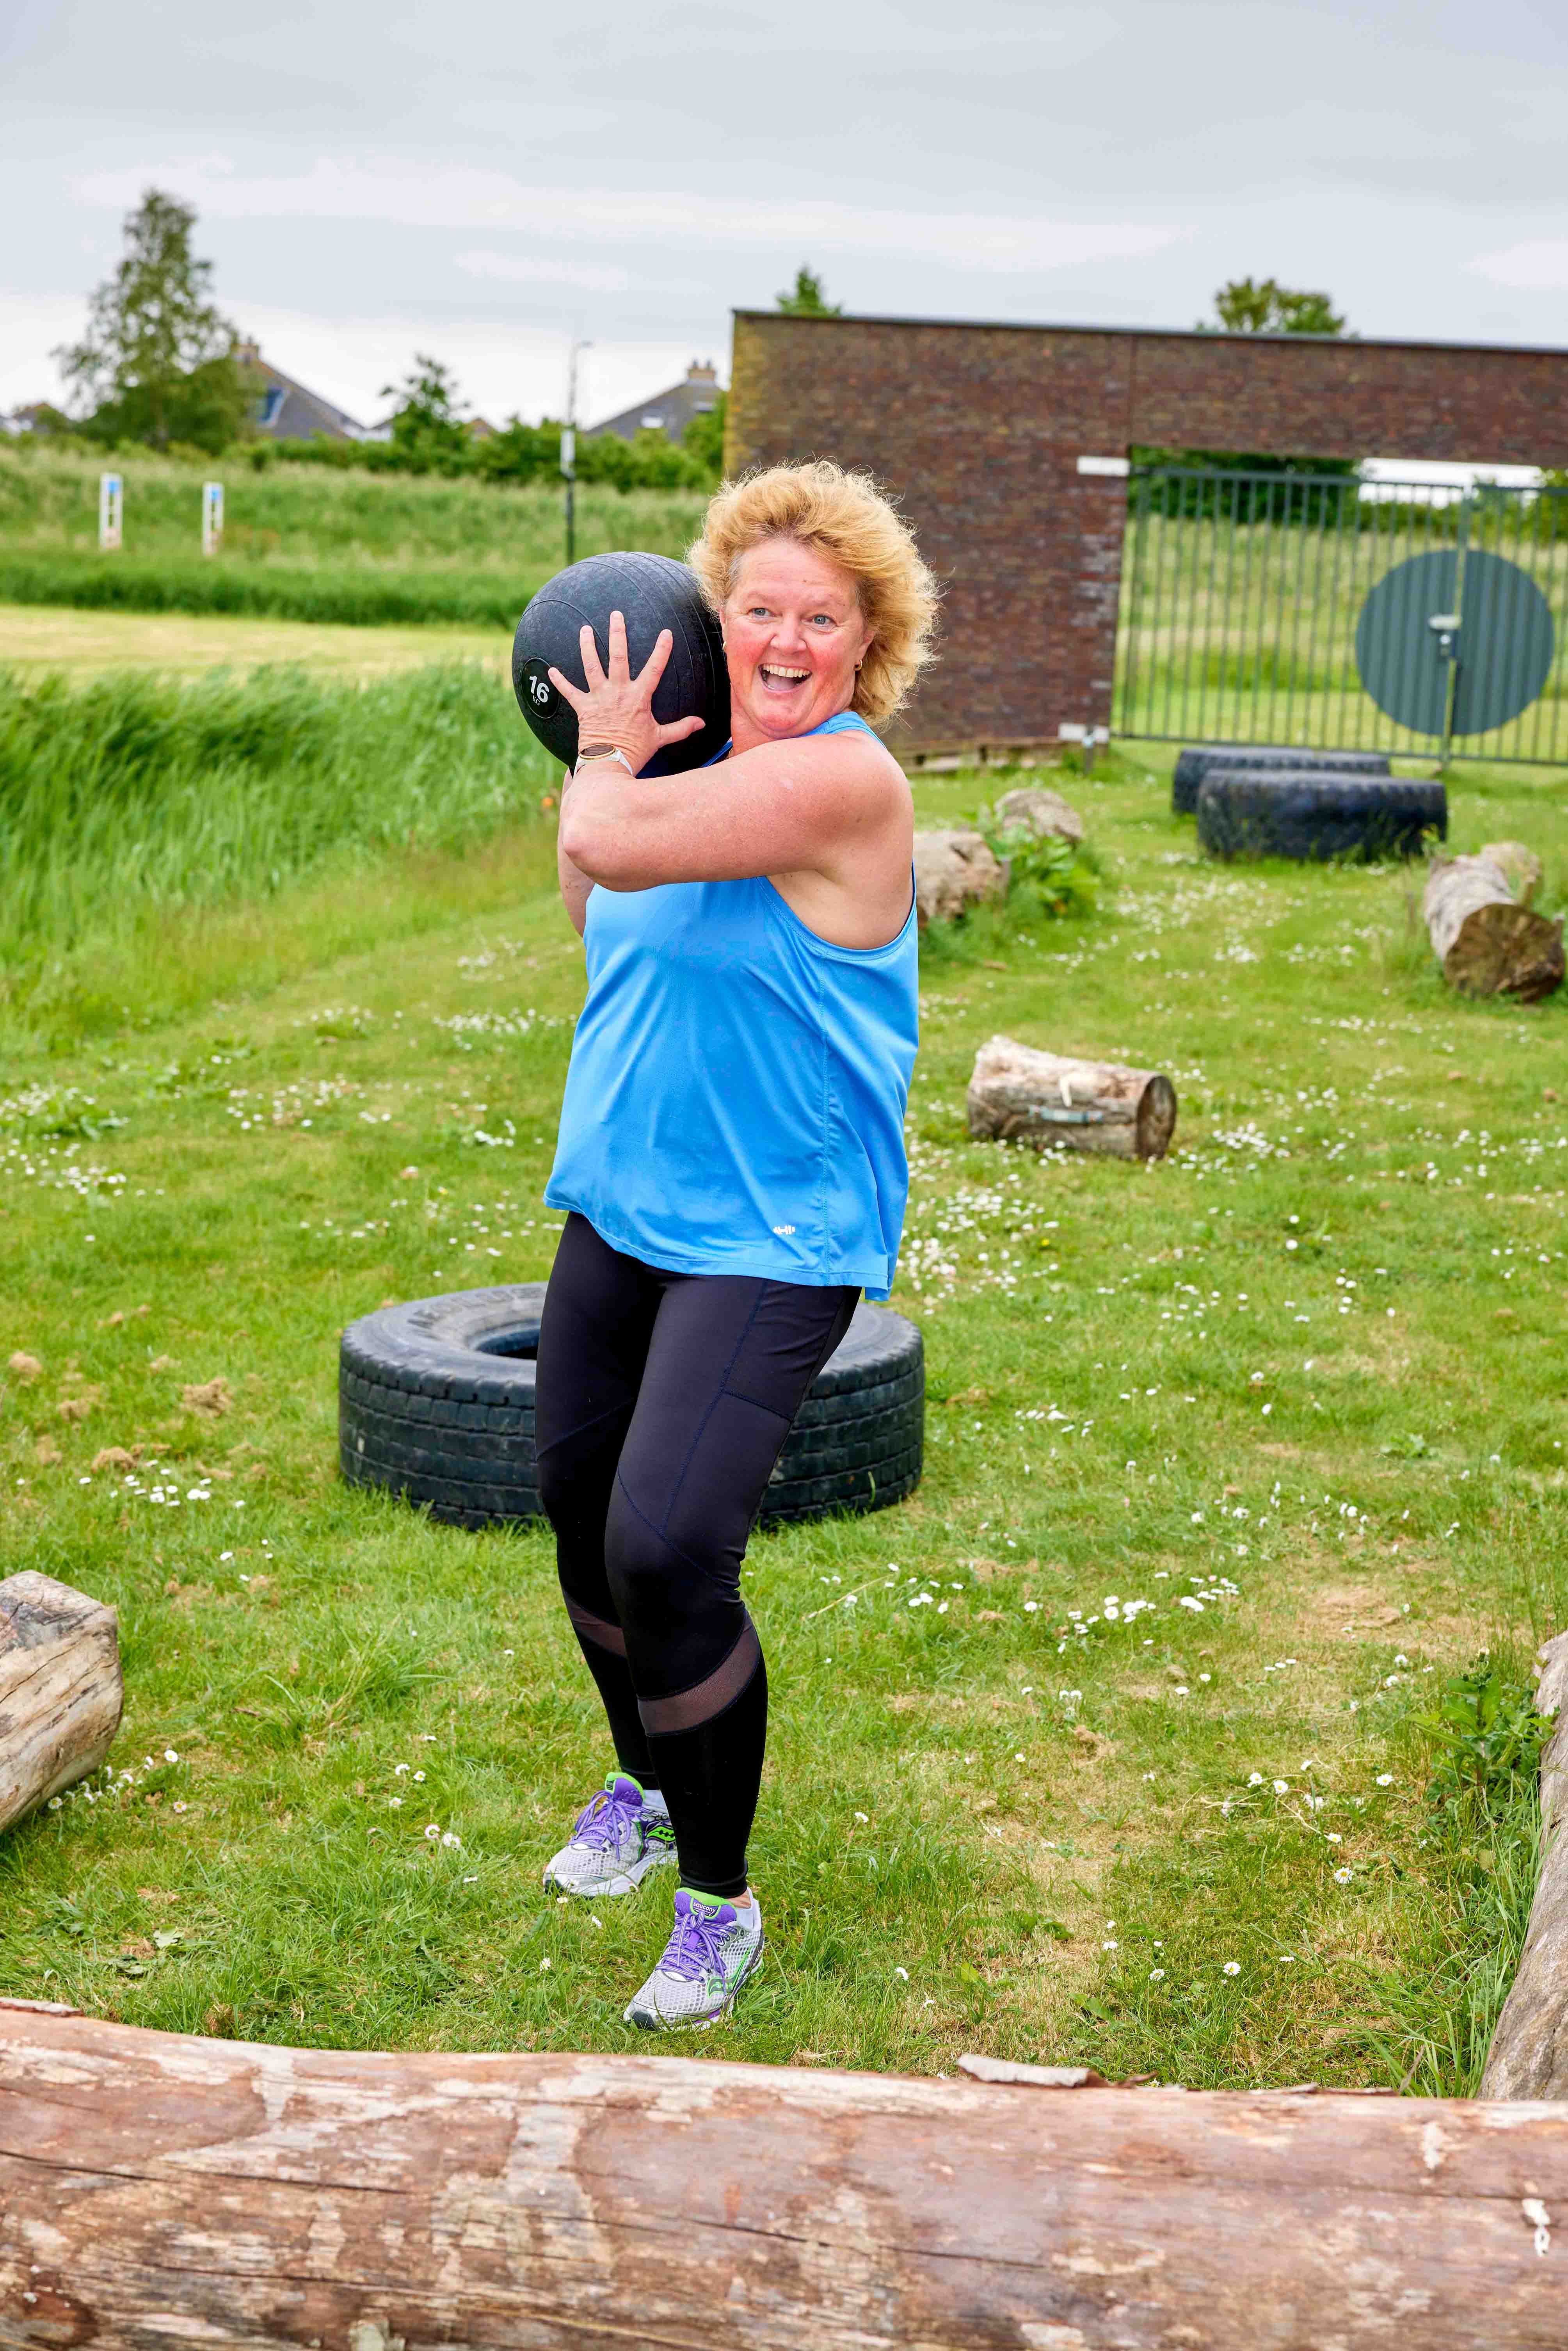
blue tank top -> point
(736, 1098)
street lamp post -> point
(569, 449)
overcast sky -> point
(482, 181)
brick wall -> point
(979, 430)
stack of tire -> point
(1254, 800)
(435, 1402)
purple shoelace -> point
(605, 1815)
(693, 1948)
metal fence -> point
(1241, 593)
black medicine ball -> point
(654, 593)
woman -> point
(731, 1154)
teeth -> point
(773, 669)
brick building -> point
(989, 436)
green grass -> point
(1307, 1372)
(137, 801)
(304, 542)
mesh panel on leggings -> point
(689, 1708)
(595, 1628)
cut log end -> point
(1505, 949)
(1157, 1117)
(1488, 942)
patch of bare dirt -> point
(208, 1399)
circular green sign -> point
(1504, 641)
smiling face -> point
(793, 635)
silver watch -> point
(591, 753)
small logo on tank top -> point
(783, 1231)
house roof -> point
(288, 409)
(666, 412)
(26, 419)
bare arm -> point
(575, 884)
(805, 806)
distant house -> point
(478, 428)
(285, 410)
(667, 411)
(37, 416)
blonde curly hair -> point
(845, 517)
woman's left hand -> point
(618, 708)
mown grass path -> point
(38, 637)
(1103, 1747)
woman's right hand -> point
(618, 708)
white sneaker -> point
(616, 1841)
(713, 1950)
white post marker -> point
(212, 517)
(111, 501)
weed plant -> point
(1483, 1835)
(1108, 1746)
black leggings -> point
(664, 1400)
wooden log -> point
(1019, 1094)
(60, 1689)
(1034, 809)
(954, 870)
(1528, 2053)
(157, 2190)
(1487, 942)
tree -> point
(807, 300)
(1267, 307)
(704, 438)
(428, 435)
(157, 363)
(531, 453)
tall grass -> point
(140, 797)
(305, 543)
(352, 595)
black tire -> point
(435, 1402)
(1209, 759)
(1318, 817)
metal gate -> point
(1243, 595)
